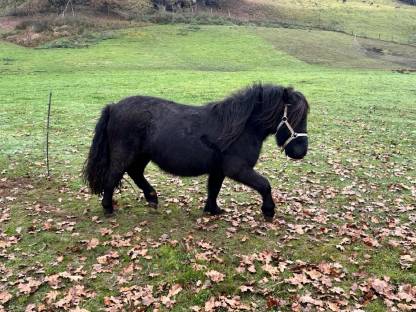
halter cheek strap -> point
(293, 135)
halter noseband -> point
(293, 135)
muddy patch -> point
(11, 189)
(401, 55)
(374, 51)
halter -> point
(293, 135)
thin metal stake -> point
(47, 133)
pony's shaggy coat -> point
(221, 139)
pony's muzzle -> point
(297, 150)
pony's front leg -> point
(251, 178)
(214, 186)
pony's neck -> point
(266, 119)
(257, 109)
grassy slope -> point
(362, 134)
(383, 19)
(388, 20)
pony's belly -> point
(183, 171)
(182, 167)
(183, 161)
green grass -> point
(362, 136)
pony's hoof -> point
(108, 209)
(108, 213)
(214, 212)
(152, 205)
(268, 219)
(151, 198)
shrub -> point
(36, 26)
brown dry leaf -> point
(244, 288)
(314, 274)
(105, 231)
(407, 258)
(233, 303)
(273, 303)
(308, 299)
(71, 277)
(272, 270)
(78, 309)
(47, 226)
(30, 286)
(93, 243)
(382, 287)
(407, 293)
(51, 296)
(108, 258)
(406, 261)
(5, 297)
(107, 301)
(211, 304)
(173, 291)
(371, 242)
(31, 308)
(137, 251)
(176, 289)
(298, 279)
(215, 276)
(53, 281)
(406, 307)
(333, 306)
(167, 301)
(148, 300)
(24, 288)
(73, 297)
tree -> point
(58, 4)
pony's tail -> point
(96, 166)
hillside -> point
(377, 19)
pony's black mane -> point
(257, 105)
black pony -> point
(221, 139)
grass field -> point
(344, 237)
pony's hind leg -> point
(214, 186)
(136, 171)
(114, 177)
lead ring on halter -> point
(293, 135)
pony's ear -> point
(261, 93)
(286, 94)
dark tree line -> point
(28, 7)
(172, 5)
(412, 2)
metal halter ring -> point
(293, 135)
